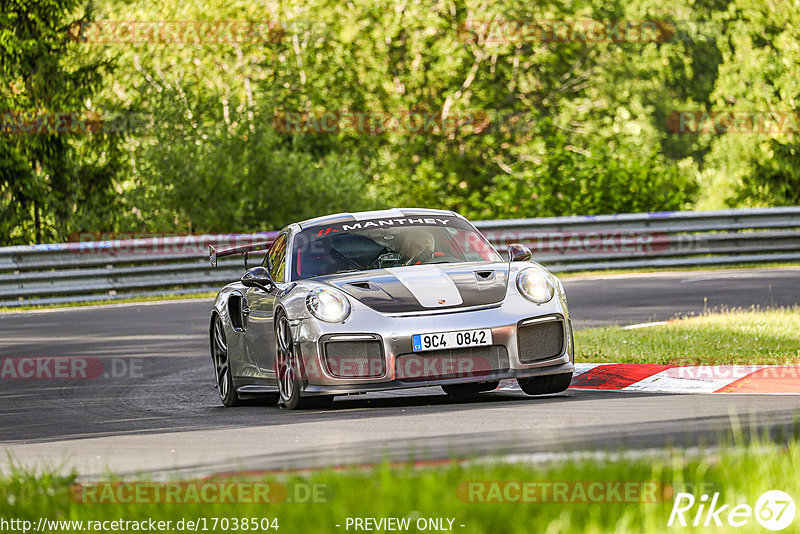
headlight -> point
(535, 285)
(328, 305)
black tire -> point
(543, 385)
(463, 391)
(222, 370)
(287, 371)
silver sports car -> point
(359, 302)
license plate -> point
(451, 340)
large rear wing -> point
(244, 250)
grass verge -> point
(620, 495)
(769, 337)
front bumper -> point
(366, 387)
(394, 334)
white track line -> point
(645, 325)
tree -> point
(52, 171)
(756, 163)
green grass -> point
(127, 300)
(769, 337)
(740, 475)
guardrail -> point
(107, 270)
(666, 239)
(114, 269)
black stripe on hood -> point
(382, 291)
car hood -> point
(425, 287)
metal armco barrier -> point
(666, 239)
(103, 270)
(108, 270)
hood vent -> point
(484, 276)
(361, 285)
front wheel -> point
(287, 371)
(543, 385)
(222, 368)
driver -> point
(418, 246)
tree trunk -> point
(37, 222)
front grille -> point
(466, 362)
(354, 359)
(540, 341)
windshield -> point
(383, 243)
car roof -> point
(339, 218)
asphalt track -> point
(163, 415)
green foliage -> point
(50, 183)
(242, 180)
(601, 178)
(774, 178)
(759, 73)
(549, 127)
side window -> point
(277, 259)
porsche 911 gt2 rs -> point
(360, 302)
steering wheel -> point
(425, 255)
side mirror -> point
(258, 277)
(517, 252)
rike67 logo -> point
(774, 510)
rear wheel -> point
(222, 368)
(461, 391)
(287, 371)
(542, 385)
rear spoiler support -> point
(244, 250)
